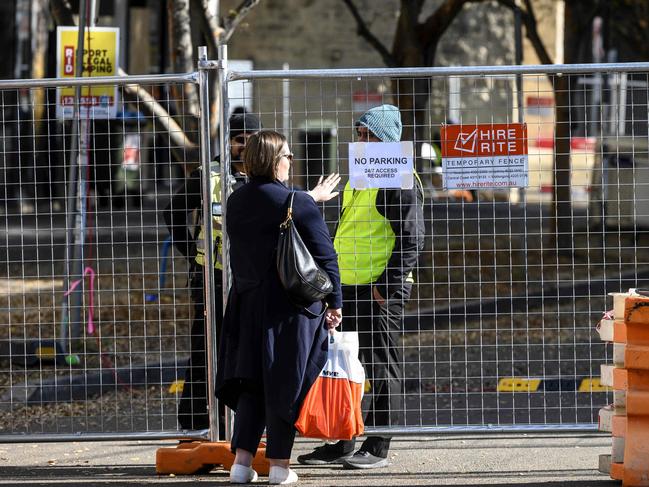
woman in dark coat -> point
(270, 350)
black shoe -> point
(362, 459)
(324, 455)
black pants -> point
(249, 423)
(378, 330)
(193, 407)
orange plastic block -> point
(636, 356)
(636, 452)
(619, 331)
(636, 310)
(201, 457)
(620, 379)
(637, 404)
(617, 471)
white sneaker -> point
(240, 474)
(281, 476)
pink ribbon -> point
(88, 271)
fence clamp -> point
(209, 64)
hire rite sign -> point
(484, 156)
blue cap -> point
(384, 122)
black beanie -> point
(243, 122)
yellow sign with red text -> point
(480, 156)
(100, 58)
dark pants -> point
(193, 407)
(252, 417)
(378, 330)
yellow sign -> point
(518, 384)
(177, 387)
(593, 384)
(100, 58)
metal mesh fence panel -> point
(110, 357)
(499, 332)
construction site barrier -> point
(497, 335)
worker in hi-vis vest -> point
(183, 216)
(378, 240)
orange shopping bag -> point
(332, 408)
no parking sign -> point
(381, 165)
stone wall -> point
(322, 34)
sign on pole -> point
(100, 58)
(381, 165)
(484, 156)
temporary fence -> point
(499, 332)
(95, 303)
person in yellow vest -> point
(378, 240)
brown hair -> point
(262, 153)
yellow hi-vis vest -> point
(217, 232)
(364, 239)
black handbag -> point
(303, 279)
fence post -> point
(210, 309)
(224, 154)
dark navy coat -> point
(268, 344)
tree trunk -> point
(39, 55)
(578, 15)
(41, 167)
(8, 171)
(411, 94)
(562, 207)
(8, 38)
(182, 55)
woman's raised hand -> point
(324, 190)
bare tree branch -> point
(151, 105)
(440, 20)
(62, 12)
(531, 32)
(235, 17)
(365, 33)
(529, 19)
(182, 53)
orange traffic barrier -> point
(200, 457)
(628, 418)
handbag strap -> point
(289, 211)
(311, 313)
(284, 225)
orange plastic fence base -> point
(634, 379)
(629, 479)
(201, 457)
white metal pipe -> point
(99, 80)
(359, 74)
(210, 309)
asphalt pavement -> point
(506, 461)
